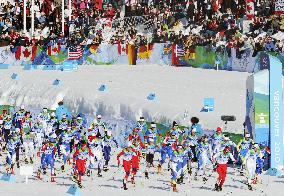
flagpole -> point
(25, 16)
(33, 17)
(62, 16)
(70, 9)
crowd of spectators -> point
(191, 23)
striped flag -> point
(180, 51)
(75, 52)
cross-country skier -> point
(204, 156)
(127, 154)
(243, 147)
(27, 122)
(176, 165)
(168, 146)
(62, 124)
(7, 126)
(19, 117)
(44, 115)
(216, 140)
(12, 147)
(65, 140)
(95, 146)
(134, 135)
(192, 141)
(81, 157)
(189, 154)
(108, 143)
(136, 149)
(152, 133)
(222, 158)
(262, 153)
(29, 144)
(150, 148)
(250, 160)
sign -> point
(279, 6)
(276, 113)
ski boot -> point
(79, 184)
(62, 168)
(124, 185)
(52, 178)
(12, 170)
(88, 173)
(220, 188)
(26, 161)
(159, 168)
(190, 171)
(146, 175)
(31, 160)
(204, 179)
(132, 180)
(44, 171)
(174, 188)
(105, 168)
(216, 187)
(38, 174)
(18, 165)
(99, 173)
(249, 187)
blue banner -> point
(276, 113)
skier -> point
(12, 147)
(39, 135)
(134, 135)
(204, 156)
(243, 147)
(95, 146)
(250, 160)
(47, 159)
(65, 140)
(175, 129)
(141, 126)
(44, 115)
(19, 117)
(168, 146)
(152, 133)
(262, 152)
(216, 140)
(7, 126)
(27, 122)
(222, 158)
(136, 149)
(29, 143)
(189, 156)
(192, 141)
(81, 156)
(62, 124)
(108, 143)
(101, 125)
(176, 164)
(127, 154)
(150, 148)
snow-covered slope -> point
(177, 89)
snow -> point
(177, 89)
(158, 184)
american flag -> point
(179, 50)
(75, 52)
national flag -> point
(179, 50)
(75, 52)
(145, 51)
(122, 49)
(94, 49)
(54, 49)
(190, 53)
(25, 53)
(131, 54)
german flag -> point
(132, 54)
(145, 51)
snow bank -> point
(180, 92)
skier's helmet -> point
(227, 149)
